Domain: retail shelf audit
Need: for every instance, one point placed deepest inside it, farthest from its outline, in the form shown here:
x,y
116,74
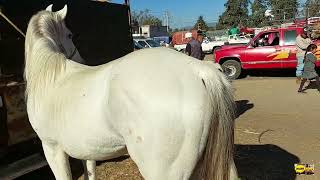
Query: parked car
x,y
147,43
238,39
207,46
137,46
270,49
163,40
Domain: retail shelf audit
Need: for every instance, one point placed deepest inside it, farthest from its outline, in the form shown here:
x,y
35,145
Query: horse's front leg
x,y
89,169
58,161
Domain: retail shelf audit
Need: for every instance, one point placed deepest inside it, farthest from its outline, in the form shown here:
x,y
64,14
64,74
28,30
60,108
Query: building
x,y
150,31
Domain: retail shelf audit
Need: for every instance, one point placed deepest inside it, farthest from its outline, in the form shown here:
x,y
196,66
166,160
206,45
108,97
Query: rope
x,y
12,24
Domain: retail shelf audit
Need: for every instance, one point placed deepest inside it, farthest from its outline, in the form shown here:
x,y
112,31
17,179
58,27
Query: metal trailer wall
x,y
101,30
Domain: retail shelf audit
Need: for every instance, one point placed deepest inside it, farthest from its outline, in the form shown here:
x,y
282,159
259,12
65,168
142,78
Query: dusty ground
x,y
276,128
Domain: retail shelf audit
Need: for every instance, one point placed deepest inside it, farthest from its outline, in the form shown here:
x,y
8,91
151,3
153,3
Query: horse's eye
x,y
70,36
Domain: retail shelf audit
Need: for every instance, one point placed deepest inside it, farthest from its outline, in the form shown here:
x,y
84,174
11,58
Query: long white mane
x,y
44,59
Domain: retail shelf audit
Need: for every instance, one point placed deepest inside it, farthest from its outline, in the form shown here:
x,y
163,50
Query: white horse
x,y
172,113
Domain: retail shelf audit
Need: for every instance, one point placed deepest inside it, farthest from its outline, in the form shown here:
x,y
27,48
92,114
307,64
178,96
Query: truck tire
x,y
232,69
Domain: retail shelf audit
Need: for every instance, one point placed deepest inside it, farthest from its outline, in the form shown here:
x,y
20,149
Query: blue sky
x,y
182,12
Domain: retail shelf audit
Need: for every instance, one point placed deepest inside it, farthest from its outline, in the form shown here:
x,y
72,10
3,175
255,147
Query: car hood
x,y
239,46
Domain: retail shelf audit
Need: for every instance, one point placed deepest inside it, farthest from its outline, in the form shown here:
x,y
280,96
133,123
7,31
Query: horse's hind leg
x,y
89,169
58,161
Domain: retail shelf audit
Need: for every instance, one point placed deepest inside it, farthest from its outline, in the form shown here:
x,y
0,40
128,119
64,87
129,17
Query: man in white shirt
x,y
302,42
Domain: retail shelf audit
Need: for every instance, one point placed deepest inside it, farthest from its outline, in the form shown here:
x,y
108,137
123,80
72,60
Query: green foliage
x,y
145,18
201,24
313,7
258,9
236,13
283,9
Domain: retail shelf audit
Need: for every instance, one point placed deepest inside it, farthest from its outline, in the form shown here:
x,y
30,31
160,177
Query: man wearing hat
x,y
194,47
302,42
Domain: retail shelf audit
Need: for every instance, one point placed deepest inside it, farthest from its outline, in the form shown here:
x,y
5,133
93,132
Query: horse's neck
x,y
43,68
73,67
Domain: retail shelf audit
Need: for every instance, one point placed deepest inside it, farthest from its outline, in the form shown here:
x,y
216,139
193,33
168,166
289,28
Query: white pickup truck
x,y
210,46
207,46
237,39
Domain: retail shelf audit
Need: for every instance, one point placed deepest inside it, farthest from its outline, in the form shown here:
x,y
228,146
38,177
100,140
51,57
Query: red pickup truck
x,y
270,49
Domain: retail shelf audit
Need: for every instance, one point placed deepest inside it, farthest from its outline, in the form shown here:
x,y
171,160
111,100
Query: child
x,y
309,71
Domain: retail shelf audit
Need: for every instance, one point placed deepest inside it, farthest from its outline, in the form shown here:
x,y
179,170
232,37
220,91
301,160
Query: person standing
x,y
309,71
302,42
194,47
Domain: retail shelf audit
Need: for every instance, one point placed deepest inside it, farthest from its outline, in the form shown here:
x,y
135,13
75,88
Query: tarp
x,y
101,30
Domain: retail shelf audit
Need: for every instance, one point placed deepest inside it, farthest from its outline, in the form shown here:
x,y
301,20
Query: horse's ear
x,y
49,8
63,12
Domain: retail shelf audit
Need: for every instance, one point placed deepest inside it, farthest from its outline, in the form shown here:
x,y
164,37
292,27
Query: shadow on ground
x,y
311,85
264,162
243,106
269,73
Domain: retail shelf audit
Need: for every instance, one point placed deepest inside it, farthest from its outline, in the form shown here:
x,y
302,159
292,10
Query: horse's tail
x,y
217,159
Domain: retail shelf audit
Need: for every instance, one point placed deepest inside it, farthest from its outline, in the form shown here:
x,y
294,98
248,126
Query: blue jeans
x,y
300,66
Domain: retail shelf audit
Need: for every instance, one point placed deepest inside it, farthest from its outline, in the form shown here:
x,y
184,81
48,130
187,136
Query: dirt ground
x,y
276,128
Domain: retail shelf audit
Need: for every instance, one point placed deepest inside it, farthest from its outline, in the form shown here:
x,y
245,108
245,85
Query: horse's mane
x,y
43,60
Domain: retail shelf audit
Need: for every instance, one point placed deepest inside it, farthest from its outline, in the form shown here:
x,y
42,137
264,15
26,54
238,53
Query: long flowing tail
x,y
218,154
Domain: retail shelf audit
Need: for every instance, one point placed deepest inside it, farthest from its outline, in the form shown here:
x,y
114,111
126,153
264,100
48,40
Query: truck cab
x,y
270,49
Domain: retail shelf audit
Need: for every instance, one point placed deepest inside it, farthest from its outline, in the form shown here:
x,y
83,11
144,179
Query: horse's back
x,y
158,74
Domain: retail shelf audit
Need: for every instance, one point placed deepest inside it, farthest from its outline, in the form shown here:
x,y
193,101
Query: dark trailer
x,y
102,33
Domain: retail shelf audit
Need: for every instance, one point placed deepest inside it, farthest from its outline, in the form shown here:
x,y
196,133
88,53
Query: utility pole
x,y
167,19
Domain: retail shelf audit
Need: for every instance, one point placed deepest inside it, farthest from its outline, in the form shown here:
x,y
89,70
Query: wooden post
x,y
307,23
127,2
11,23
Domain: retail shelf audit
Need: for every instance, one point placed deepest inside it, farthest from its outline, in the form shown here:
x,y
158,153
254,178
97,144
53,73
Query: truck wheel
x,y
232,69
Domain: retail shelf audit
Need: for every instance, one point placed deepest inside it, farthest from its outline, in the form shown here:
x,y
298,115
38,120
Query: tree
x,y
258,9
284,9
201,24
236,13
145,18
312,7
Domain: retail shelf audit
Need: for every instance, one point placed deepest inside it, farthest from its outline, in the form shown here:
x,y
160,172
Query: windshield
x,y
137,45
153,43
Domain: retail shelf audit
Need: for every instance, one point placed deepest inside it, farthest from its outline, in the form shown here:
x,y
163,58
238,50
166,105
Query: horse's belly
x,y
95,147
